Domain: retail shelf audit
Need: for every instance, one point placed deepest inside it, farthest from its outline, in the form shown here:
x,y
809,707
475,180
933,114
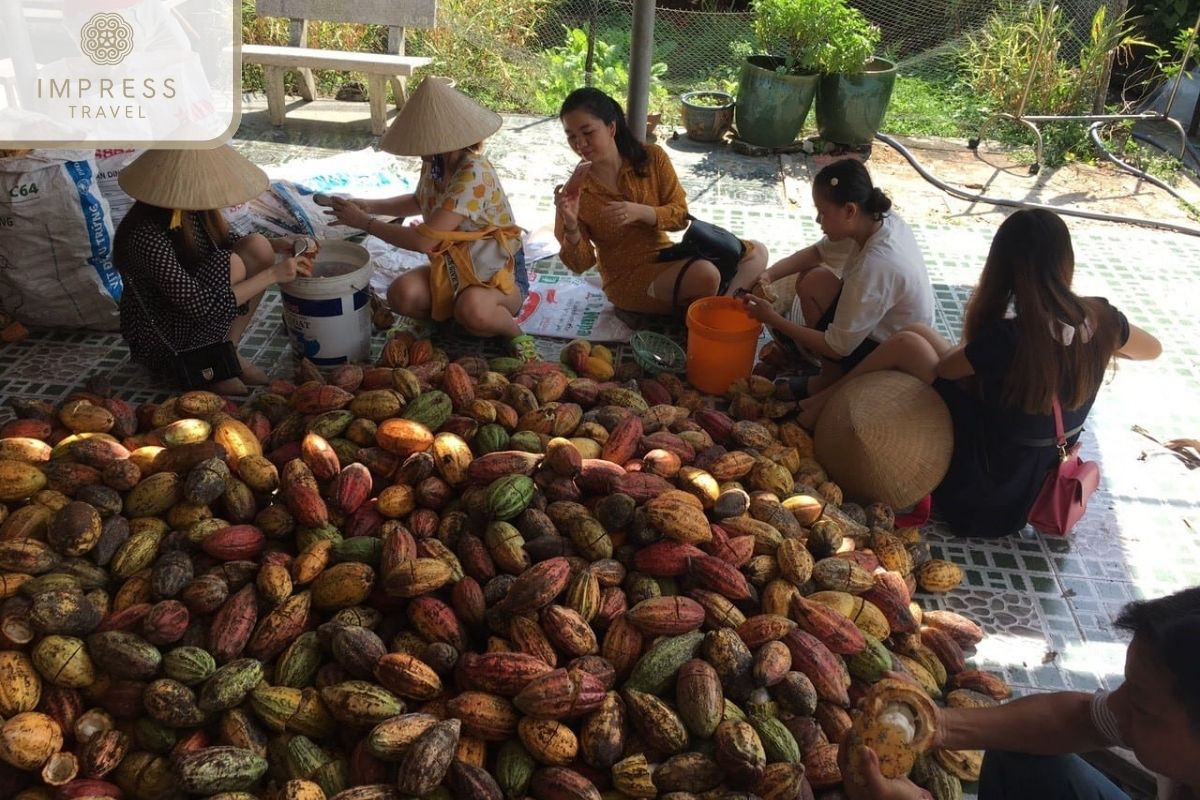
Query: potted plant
x,y
776,88
855,86
707,114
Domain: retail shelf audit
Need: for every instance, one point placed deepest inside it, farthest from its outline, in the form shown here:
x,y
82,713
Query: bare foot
x,y
229,386
252,374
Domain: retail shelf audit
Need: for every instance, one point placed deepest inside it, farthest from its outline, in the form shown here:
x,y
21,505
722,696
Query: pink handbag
x,y
1064,496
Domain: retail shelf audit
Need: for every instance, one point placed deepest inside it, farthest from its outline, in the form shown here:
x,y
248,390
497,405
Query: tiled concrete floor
x,y
1047,605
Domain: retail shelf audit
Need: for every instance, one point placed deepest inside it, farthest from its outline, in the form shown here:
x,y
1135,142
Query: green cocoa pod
x,y
211,770
655,670
508,496
431,409
229,685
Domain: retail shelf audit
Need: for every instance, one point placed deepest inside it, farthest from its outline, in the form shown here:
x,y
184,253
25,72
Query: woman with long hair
x,y
862,282
1027,340
476,273
188,281
617,221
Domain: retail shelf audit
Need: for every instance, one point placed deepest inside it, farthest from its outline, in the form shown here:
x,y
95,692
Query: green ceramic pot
x,y
850,108
706,114
772,106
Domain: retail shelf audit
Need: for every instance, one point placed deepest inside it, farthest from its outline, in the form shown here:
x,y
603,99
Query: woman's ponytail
x,y
847,181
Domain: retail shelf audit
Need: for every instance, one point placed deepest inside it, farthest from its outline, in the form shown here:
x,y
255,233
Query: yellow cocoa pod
x,y
939,576
19,480
28,739
258,473
20,684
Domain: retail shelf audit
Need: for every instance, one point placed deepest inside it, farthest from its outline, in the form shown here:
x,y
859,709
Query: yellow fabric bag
x,y
459,258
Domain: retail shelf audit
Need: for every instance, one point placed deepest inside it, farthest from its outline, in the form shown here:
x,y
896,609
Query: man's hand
x,y
868,783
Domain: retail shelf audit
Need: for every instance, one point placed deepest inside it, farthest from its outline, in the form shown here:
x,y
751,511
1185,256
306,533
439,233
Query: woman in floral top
x,y
477,270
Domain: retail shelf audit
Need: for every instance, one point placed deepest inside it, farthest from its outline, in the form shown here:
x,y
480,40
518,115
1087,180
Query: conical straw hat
x,y
438,119
885,436
193,180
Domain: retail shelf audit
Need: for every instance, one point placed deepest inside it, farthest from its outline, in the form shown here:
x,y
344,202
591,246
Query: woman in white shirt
x,y
862,282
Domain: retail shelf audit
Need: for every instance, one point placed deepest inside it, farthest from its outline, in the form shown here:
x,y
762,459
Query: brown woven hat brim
x,y
193,180
438,119
886,437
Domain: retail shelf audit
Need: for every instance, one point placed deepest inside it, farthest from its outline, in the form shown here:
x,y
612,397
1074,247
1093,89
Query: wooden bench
x,y
381,68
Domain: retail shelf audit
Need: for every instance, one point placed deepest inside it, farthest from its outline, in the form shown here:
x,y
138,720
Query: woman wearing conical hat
x,y
476,273
188,281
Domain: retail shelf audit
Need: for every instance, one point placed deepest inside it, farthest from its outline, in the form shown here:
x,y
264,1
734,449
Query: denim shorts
x,y
520,273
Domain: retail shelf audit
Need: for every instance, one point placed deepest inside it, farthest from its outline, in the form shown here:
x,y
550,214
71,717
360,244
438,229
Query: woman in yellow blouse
x,y
618,221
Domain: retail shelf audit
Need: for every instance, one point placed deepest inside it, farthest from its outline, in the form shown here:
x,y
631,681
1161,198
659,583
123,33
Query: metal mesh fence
x,y
526,55
558,42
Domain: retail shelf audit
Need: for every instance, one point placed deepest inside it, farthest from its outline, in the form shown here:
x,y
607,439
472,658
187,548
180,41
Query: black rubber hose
x,y
1094,134
1003,201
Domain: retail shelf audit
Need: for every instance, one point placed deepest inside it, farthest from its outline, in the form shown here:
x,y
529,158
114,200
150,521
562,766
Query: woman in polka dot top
x,y
188,281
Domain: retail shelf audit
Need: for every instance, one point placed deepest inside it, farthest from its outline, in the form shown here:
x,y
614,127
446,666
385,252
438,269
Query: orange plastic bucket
x,y
722,341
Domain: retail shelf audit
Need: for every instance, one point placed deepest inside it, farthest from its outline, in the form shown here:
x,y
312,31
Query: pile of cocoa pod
x,y
435,578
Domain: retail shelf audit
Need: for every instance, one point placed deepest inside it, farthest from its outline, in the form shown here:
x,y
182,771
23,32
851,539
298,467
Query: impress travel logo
x,y
106,39
119,73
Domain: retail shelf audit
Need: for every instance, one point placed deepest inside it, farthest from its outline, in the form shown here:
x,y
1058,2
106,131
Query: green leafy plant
x,y
1020,45
815,35
483,44
564,69
850,42
707,99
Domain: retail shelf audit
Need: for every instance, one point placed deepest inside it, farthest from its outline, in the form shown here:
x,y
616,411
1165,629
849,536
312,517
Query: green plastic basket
x,y
657,353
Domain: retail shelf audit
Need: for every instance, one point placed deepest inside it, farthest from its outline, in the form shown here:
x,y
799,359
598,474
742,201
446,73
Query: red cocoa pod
x,y
762,628
127,619
667,616
317,398
716,424
961,629
319,456
504,673
537,586
233,624
835,630
166,622
666,558
277,630
435,621
351,488
88,787
642,486
468,601
654,392
826,671
671,443
598,476
945,648
721,577
234,543
561,694
623,440
889,595
491,466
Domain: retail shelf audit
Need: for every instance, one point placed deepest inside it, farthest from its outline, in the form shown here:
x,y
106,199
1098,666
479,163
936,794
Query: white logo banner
x,y
111,73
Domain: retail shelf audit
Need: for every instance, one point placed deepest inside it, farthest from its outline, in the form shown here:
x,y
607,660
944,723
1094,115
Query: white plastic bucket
x,y
328,316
